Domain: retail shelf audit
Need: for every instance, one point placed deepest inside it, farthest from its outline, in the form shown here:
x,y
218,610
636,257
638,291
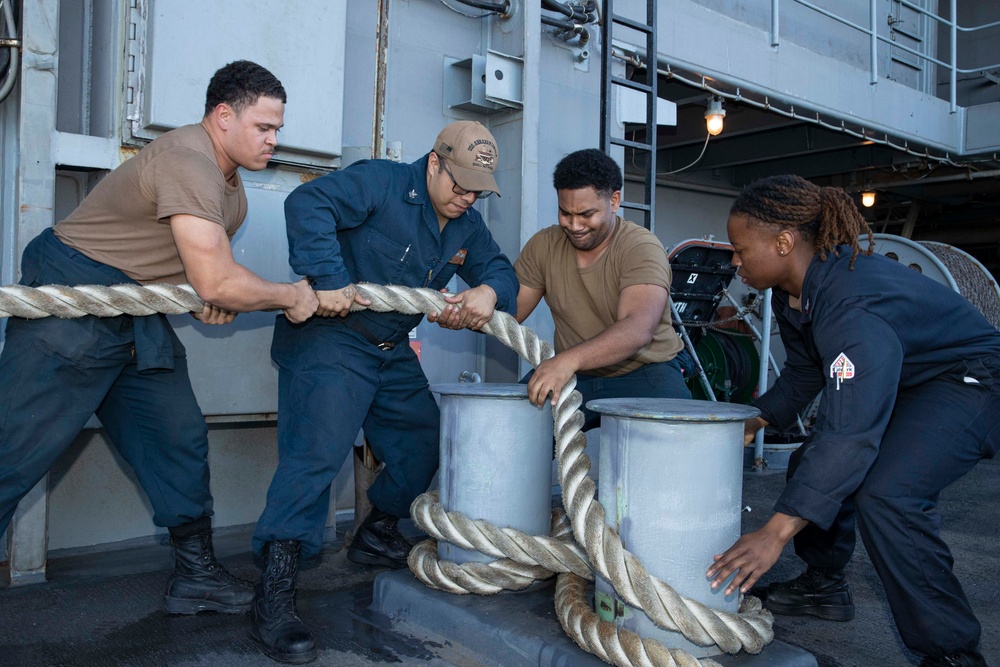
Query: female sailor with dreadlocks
x,y
910,373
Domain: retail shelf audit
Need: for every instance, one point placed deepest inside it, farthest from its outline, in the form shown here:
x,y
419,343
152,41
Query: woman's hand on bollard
x,y
754,553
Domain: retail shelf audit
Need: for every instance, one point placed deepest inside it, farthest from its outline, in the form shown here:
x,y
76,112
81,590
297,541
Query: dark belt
x,y
355,325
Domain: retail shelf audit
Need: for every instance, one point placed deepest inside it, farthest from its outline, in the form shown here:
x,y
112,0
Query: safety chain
x,y
749,630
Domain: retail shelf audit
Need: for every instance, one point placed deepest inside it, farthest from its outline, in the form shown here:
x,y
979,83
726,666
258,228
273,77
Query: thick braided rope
x,y
465,578
485,578
607,641
554,553
101,300
698,623
414,301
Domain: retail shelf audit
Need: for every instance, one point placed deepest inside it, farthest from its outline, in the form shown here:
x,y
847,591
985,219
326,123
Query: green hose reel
x,y
732,365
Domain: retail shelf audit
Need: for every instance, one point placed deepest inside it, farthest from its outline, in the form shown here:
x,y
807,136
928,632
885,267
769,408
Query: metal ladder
x,y
609,20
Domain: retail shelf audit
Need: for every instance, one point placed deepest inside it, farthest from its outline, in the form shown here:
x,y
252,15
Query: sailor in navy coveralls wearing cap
x,y
385,223
910,374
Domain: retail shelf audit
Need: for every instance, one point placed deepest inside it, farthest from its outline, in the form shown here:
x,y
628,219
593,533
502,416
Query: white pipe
x,y
765,345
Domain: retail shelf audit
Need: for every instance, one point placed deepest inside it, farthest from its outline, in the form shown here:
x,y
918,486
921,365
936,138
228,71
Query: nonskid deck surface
x,y
103,609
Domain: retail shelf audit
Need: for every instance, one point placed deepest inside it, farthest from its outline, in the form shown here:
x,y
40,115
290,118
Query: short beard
x,y
595,240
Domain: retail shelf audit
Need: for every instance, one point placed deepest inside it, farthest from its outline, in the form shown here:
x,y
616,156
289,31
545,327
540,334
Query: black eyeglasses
x,y
460,191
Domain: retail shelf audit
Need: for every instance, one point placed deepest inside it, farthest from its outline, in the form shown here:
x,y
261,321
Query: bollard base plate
x,y
517,628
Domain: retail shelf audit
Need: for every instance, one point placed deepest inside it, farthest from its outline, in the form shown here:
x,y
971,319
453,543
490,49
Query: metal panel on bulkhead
x,y
177,45
301,41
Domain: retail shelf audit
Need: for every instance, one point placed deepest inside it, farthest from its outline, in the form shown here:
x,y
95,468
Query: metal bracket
x,y
484,84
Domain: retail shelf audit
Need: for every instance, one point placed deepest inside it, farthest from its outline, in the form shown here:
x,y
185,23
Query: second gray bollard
x,y
671,483
496,459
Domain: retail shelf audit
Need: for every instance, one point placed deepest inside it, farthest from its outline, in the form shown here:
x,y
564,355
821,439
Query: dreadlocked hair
x,y
824,216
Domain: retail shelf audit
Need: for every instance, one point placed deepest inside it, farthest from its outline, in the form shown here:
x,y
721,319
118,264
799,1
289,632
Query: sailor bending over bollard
x,y
385,223
164,216
910,373
607,283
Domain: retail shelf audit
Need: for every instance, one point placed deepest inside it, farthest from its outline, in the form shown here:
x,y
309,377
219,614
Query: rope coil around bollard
x,y
524,558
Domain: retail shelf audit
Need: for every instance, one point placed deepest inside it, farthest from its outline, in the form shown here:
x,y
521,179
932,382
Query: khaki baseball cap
x,y
471,153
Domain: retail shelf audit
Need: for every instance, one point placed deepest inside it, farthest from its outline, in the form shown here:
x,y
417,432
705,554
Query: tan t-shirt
x,y
584,302
125,221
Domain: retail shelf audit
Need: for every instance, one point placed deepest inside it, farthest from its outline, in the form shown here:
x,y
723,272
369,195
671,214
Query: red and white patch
x,y
842,368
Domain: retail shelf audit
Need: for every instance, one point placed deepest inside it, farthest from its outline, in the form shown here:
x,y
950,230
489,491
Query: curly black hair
x,y
240,84
588,168
824,216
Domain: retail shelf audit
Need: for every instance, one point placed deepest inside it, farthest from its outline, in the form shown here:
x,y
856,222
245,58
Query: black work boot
x,y
276,623
820,593
199,582
379,542
962,659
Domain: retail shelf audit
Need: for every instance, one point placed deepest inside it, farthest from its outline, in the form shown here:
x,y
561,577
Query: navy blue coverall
x,y
130,371
371,222
910,373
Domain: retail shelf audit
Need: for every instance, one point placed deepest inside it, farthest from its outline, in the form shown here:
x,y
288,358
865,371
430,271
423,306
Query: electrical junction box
x,y
484,84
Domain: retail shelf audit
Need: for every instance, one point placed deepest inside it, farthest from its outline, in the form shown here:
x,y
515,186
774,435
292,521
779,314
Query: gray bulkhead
x,y
101,77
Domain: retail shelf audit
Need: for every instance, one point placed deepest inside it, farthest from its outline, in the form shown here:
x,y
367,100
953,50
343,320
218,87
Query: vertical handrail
x,y
652,104
765,348
873,38
606,18
953,83
775,9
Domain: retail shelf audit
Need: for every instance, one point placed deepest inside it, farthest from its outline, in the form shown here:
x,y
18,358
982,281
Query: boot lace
x,y
393,536
278,580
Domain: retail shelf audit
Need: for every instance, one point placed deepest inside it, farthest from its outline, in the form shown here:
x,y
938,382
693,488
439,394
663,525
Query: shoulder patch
x,y
842,368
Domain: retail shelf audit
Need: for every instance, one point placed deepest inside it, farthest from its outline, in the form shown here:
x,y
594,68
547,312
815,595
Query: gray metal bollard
x,y
496,459
671,483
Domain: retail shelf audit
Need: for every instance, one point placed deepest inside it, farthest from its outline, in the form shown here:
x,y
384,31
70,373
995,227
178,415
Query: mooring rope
x,y
749,630
512,574
100,300
555,553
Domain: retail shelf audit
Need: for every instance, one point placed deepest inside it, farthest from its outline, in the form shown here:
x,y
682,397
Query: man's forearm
x,y
613,345
243,291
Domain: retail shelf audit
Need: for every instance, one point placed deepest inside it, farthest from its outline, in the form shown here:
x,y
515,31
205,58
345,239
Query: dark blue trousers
x,y
56,373
332,383
937,433
660,380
